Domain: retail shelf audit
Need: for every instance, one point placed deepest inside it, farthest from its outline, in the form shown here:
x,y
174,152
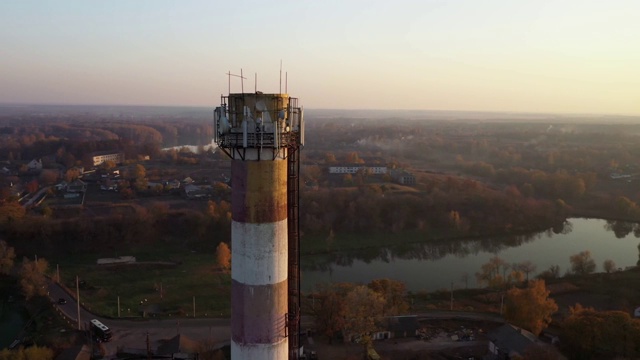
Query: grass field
x,y
167,276
183,273
162,283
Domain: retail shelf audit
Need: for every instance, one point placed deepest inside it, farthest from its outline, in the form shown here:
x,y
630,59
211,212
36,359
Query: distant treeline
x,y
32,138
450,207
126,225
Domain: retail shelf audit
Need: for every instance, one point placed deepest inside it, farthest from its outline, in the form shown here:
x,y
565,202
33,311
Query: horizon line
x,y
529,112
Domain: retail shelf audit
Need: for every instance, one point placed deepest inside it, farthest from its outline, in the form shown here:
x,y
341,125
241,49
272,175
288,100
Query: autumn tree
x,y
32,279
353,158
493,273
108,165
515,276
7,257
48,176
582,263
159,211
394,294
126,193
140,184
11,211
364,308
591,334
330,308
30,353
454,219
220,212
625,207
221,189
32,186
330,158
347,179
313,172
223,256
71,174
530,308
541,351
138,171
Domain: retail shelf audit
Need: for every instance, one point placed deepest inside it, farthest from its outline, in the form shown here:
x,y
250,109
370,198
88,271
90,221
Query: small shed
x,y
404,326
179,344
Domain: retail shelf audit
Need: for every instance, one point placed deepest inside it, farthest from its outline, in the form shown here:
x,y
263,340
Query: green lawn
x,y
181,274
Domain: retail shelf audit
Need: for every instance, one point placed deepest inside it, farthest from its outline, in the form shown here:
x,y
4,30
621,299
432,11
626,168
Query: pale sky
x,y
512,55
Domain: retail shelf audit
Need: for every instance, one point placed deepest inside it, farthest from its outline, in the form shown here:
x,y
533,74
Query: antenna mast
x,y
280,76
229,74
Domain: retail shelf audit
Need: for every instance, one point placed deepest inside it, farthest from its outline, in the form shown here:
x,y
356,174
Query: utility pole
x,y
148,347
452,296
58,273
78,302
194,307
118,306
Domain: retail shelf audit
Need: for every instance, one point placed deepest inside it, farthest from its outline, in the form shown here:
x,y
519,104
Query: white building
x,y
99,158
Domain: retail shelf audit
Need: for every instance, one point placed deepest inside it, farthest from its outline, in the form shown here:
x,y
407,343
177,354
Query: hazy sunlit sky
x,y
526,56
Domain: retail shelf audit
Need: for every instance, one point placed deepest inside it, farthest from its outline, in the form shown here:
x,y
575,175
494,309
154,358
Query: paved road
x,y
133,333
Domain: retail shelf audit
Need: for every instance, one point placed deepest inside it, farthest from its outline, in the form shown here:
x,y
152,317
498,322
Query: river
x,y
437,266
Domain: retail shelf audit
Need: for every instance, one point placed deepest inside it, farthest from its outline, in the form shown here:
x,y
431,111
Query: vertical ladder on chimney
x,y
293,199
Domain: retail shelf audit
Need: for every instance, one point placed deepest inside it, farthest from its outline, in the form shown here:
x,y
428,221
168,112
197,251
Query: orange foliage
x,y
530,308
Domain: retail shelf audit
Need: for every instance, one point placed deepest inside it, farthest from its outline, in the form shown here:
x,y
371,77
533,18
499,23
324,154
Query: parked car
x,y
62,301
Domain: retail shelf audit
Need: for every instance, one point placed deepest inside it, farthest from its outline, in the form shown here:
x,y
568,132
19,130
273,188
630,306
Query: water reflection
x,y
435,265
430,251
622,228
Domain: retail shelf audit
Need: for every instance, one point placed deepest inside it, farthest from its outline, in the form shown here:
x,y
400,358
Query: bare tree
x,y
553,272
609,266
465,279
527,267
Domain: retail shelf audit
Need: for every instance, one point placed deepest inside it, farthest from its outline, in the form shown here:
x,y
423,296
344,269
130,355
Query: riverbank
x,y
316,244
411,257
431,266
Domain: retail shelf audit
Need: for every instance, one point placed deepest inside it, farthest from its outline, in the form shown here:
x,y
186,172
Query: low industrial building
x,y
101,157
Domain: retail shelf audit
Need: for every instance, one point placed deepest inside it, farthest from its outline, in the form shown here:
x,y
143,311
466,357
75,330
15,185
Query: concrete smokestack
x,y
259,131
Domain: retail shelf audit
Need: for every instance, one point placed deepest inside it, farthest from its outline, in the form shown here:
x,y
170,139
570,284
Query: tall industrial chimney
x,y
262,134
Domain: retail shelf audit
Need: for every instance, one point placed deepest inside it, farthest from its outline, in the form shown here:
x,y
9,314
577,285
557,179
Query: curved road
x,y
133,333
215,331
